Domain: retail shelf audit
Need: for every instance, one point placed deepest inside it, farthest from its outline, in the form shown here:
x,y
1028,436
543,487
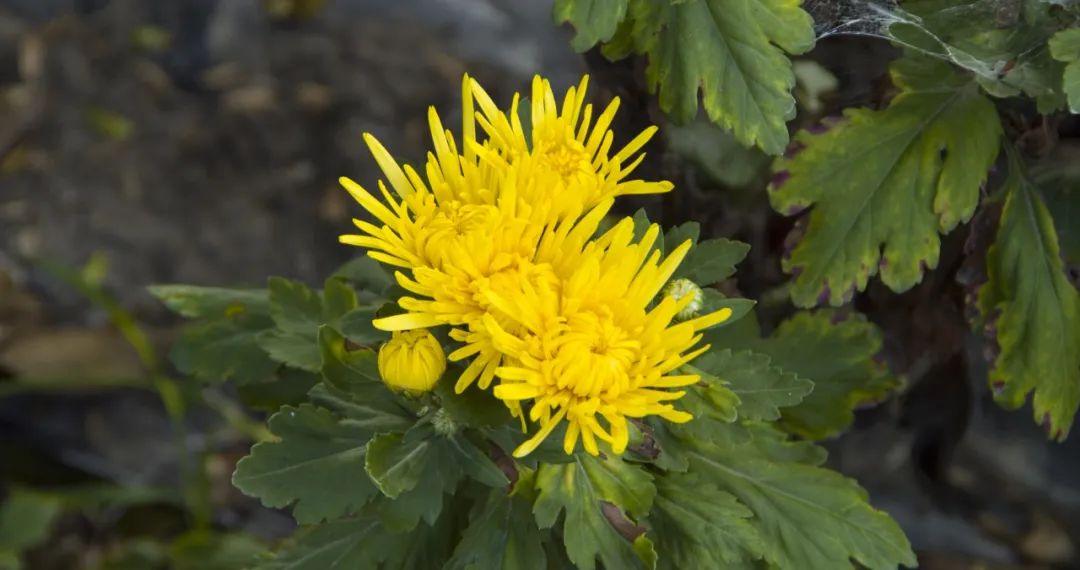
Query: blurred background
x,y
199,141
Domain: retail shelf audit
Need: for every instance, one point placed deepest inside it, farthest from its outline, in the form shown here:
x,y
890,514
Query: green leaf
x,y
298,313
224,349
26,519
396,464
835,352
578,488
318,465
1065,46
711,261
298,350
838,354
593,20
762,388
730,50
357,326
293,306
1032,309
352,372
502,534
367,274
807,517
698,526
206,302
342,545
289,388
883,184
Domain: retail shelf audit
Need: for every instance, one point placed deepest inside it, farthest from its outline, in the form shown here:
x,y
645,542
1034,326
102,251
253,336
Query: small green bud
x,y
680,288
444,424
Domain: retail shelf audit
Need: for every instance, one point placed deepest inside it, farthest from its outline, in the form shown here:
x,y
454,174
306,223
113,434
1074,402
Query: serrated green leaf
x,y
883,184
196,302
353,372
294,306
396,464
342,545
730,50
675,236
838,354
807,517
762,388
318,465
224,349
288,388
367,274
578,488
712,261
476,462
298,312
593,20
357,326
1034,310
698,526
501,535
474,408
1065,47
295,349
713,300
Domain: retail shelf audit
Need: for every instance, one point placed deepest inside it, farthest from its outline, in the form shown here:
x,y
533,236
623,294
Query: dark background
x,y
199,142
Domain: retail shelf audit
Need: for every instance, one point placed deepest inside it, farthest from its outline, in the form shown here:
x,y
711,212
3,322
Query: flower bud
x,y
680,288
411,361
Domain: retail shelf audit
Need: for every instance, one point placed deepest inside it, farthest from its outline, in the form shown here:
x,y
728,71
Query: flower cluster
x,y
499,239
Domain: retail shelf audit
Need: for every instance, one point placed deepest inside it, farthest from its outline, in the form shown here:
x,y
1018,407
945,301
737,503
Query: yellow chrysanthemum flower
x,y
497,241
411,361
592,350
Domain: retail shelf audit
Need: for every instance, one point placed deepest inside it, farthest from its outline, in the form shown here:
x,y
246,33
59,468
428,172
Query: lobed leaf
x,y
883,184
579,488
1065,47
699,526
807,517
837,353
732,51
1032,310
502,534
318,465
762,389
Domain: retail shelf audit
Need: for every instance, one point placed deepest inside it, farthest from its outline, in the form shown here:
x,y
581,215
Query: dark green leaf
x,y
808,518
208,551
578,488
762,388
288,388
343,545
26,519
501,535
698,526
712,261
367,274
397,464
224,349
318,465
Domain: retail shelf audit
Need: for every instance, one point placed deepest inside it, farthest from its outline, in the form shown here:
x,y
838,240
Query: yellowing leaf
x,y
1033,309
883,184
